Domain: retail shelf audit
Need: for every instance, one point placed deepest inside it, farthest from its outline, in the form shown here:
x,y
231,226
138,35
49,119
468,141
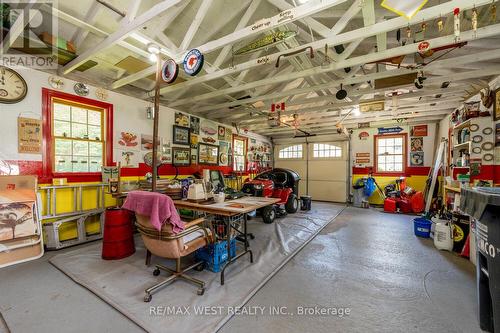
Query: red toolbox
x,y
390,205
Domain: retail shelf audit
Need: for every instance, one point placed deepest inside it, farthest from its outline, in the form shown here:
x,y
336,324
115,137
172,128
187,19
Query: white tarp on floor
x,y
121,283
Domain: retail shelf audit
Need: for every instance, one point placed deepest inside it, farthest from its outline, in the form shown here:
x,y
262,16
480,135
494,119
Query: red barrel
x,y
118,235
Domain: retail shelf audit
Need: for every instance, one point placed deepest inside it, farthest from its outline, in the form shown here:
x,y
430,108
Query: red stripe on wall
x,y
410,171
36,168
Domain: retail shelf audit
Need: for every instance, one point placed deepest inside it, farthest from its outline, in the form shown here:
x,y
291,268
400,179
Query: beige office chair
x,y
166,244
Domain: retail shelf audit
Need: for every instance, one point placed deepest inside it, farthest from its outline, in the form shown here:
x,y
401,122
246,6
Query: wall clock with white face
x,y
13,88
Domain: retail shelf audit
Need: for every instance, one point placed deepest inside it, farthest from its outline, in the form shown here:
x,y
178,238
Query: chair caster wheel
x,y
251,236
201,291
156,272
147,298
200,267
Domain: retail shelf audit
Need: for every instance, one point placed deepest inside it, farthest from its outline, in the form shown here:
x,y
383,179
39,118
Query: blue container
x,y
215,255
422,227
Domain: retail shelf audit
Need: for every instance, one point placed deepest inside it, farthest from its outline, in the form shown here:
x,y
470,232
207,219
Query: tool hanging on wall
x,y
474,21
311,54
440,24
327,61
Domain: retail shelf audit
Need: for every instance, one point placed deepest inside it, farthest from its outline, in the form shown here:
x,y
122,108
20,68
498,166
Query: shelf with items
x,y
462,146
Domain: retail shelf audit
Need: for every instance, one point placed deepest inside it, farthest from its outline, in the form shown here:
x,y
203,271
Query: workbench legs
x,y
245,242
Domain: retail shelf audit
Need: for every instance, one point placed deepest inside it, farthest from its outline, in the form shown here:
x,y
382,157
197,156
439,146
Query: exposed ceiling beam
x,y
289,16
389,25
81,33
18,26
377,56
120,34
200,15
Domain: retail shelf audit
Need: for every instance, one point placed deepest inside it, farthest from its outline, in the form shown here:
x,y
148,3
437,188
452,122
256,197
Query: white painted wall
x,y
365,146
129,115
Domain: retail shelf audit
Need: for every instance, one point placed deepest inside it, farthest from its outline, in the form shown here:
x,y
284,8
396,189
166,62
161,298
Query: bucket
x,y
443,236
118,234
422,227
305,202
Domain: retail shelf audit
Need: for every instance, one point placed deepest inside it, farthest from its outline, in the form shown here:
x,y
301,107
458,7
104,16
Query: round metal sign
x,y
169,71
193,62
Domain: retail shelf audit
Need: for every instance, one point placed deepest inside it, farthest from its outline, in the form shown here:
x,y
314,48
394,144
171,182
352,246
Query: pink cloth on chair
x,y
159,207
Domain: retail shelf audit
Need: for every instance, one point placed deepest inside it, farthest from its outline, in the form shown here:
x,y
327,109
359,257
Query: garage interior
x,y
253,165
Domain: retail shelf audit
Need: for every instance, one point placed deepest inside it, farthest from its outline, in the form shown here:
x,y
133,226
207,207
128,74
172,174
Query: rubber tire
x,y
289,206
268,214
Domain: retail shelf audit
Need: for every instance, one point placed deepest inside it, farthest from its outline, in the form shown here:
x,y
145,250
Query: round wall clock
x,y
13,88
81,89
193,62
169,71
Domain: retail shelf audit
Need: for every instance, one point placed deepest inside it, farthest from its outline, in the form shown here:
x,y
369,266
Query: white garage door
x,y
322,166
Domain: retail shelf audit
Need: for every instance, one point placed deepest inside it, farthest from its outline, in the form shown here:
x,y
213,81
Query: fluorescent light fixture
x,y
406,8
302,1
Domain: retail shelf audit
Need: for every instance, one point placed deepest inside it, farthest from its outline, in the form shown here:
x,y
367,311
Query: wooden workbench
x,y
226,210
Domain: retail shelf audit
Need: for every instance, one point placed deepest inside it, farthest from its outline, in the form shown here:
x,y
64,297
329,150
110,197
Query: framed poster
x,y
181,156
181,135
29,135
223,153
417,144
417,158
195,125
496,107
208,154
181,119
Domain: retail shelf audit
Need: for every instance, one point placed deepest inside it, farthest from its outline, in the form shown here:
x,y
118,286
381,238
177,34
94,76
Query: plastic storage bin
x,y
422,227
215,255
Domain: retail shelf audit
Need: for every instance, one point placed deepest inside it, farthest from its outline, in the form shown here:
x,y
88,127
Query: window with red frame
x,y
390,153
77,133
239,153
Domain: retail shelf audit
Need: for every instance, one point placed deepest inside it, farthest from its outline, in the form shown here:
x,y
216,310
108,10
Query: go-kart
x,y
275,183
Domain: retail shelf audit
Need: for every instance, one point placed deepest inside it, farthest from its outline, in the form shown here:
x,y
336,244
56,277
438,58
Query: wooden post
x,y
156,121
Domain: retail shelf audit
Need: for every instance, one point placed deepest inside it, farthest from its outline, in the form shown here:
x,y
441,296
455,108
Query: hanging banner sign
x,y
389,130
29,133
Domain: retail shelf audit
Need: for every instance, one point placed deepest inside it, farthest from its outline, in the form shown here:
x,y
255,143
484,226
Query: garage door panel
x,y
327,191
327,177
328,170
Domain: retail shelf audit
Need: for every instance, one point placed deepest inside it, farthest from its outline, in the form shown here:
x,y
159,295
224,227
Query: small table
x,y
229,209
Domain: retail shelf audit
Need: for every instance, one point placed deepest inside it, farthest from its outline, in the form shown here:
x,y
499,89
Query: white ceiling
x,y
218,26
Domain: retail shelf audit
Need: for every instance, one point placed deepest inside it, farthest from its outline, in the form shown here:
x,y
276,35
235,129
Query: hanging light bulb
x,y
424,28
456,23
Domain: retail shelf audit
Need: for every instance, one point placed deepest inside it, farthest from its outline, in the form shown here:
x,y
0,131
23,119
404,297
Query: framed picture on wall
x,y
181,135
496,106
181,156
208,154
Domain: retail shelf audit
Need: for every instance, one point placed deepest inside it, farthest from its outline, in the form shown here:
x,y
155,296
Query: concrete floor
x,y
366,261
